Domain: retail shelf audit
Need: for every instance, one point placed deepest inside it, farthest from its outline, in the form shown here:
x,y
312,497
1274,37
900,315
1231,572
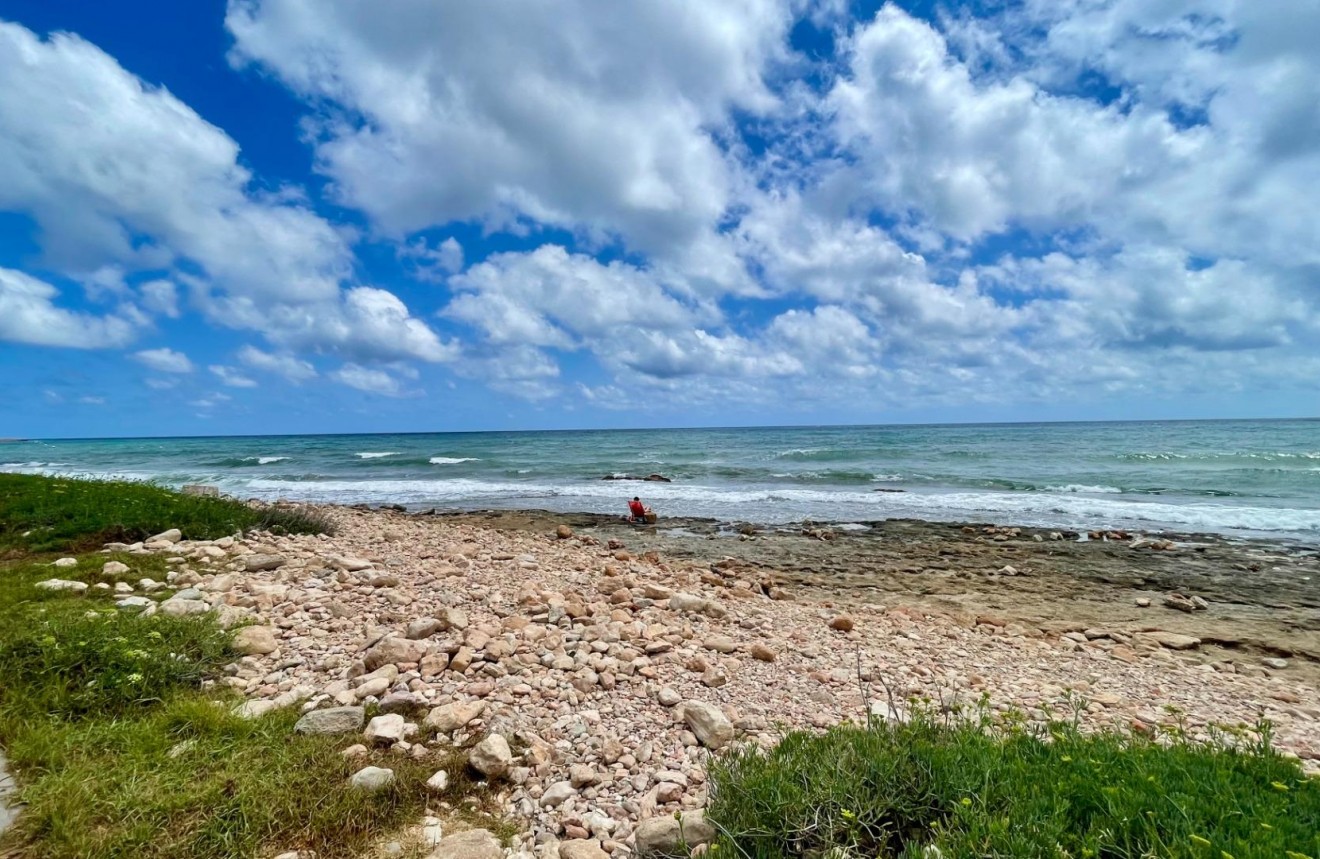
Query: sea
x,y
1244,478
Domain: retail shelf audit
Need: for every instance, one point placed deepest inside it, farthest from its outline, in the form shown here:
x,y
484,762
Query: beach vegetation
x,y
930,787
54,514
122,739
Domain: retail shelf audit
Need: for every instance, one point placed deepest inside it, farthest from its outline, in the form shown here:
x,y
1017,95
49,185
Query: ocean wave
x,y
371,454
792,504
452,460
1082,487
1220,456
267,460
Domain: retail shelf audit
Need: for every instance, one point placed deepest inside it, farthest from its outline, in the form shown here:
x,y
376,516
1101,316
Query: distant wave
x,y
371,454
267,460
1220,456
1081,487
452,460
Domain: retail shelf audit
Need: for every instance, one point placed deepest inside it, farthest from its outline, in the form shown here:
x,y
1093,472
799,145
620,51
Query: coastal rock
x,y
711,727
581,848
255,640
473,844
372,779
385,730
668,836
394,651
335,720
173,535
491,757
1181,603
450,717
262,563
62,585
175,607
1171,640
1274,662
563,532
842,623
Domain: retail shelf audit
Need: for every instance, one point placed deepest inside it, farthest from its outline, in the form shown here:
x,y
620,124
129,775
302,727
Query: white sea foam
x,y
267,460
1082,487
371,454
772,505
452,460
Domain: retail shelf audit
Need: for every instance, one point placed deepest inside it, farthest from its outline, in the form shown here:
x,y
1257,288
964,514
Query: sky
x,y
283,216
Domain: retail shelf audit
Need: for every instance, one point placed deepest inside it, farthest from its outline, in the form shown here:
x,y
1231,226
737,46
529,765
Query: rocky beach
x,y
599,665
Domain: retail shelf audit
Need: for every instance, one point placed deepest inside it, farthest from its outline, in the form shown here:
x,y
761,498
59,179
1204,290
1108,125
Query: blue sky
x,y
336,216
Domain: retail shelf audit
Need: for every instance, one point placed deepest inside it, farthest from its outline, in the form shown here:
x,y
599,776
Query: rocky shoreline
x,y
600,664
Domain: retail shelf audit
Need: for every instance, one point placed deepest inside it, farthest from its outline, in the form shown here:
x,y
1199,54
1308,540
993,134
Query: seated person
x,y
636,510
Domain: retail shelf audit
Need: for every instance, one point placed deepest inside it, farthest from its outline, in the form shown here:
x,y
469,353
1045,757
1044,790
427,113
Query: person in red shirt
x,y
637,509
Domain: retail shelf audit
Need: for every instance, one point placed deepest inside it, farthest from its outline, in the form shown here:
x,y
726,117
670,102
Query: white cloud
x,y
28,315
372,381
160,296
291,368
211,401
436,263
589,115
164,360
121,176
231,376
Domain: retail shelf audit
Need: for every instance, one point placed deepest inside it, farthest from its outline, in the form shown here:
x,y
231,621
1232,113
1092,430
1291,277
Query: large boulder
x,y
335,720
667,836
173,535
254,641
491,757
473,844
708,723
394,651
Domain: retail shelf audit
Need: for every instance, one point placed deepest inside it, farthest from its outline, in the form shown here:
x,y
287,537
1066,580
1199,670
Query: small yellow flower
x,y
966,800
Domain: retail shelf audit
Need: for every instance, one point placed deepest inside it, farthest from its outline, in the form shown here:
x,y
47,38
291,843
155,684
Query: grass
x,y
932,789
46,514
121,746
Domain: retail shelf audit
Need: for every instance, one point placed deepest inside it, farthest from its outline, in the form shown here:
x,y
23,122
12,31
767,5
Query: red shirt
x,y
637,509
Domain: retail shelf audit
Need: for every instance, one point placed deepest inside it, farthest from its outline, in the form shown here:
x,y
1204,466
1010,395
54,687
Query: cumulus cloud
x,y
433,262
291,368
593,116
231,376
28,315
164,360
177,195
373,381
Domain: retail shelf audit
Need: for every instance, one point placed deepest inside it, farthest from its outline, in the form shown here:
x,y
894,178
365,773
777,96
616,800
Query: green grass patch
x,y
121,750
51,514
930,789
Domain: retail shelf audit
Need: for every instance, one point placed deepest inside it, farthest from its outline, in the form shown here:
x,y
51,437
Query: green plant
x,y
973,789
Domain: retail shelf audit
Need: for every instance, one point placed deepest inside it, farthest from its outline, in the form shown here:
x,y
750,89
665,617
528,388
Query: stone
x,y
404,703
335,720
189,594
1143,602
473,844
262,563
557,794
842,623
763,653
450,717
385,730
372,779
423,627
114,568
669,697
65,563
134,602
711,727
393,651
581,848
62,585
438,783
563,532
1274,662
176,607
491,757
372,688
721,644
254,709
1171,640
1180,602
254,641
582,775
173,535
670,836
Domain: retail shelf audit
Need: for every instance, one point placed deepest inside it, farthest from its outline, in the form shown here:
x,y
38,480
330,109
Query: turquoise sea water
x,y
1248,477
